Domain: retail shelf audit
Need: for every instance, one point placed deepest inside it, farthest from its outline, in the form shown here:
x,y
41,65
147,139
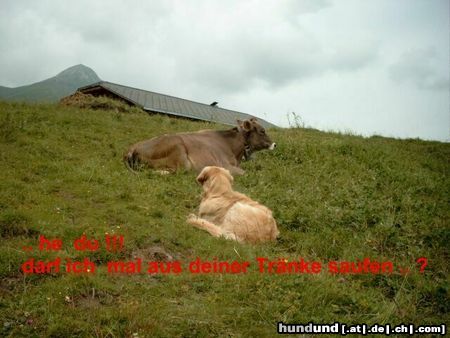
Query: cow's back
x,y
183,150
165,151
208,148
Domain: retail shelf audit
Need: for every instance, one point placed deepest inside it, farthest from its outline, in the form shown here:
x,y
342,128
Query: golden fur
x,y
227,213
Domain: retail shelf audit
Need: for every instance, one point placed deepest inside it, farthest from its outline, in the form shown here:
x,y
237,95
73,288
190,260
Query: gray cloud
x,y
230,49
239,50
295,7
420,67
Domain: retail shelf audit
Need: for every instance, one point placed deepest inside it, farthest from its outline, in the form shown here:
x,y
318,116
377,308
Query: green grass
x,y
335,197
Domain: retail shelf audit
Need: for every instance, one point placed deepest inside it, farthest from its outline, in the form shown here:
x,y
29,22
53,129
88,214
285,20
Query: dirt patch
x,y
154,254
65,195
9,284
95,298
14,223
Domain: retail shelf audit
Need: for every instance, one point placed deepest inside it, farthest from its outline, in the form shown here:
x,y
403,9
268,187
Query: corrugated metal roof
x,y
171,105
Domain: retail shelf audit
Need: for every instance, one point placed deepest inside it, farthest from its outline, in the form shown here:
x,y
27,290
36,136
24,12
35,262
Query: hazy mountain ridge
x,y
54,88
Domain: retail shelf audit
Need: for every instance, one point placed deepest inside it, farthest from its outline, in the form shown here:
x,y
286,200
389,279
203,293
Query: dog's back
x,y
250,222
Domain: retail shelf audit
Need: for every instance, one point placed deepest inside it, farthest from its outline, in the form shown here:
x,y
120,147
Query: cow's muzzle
x,y
273,146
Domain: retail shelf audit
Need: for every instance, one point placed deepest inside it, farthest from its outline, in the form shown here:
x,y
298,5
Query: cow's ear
x,y
253,119
245,125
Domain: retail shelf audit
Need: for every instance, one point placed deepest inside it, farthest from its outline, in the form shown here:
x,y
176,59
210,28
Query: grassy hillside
x,y
5,91
335,197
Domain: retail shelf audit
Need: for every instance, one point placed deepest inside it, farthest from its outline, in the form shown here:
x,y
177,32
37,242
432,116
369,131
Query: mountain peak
x,y
54,88
80,73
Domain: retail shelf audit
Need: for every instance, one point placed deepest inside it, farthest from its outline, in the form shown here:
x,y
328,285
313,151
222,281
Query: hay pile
x,y
87,101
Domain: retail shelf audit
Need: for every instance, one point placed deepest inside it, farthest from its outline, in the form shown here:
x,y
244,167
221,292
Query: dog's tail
x,y
213,229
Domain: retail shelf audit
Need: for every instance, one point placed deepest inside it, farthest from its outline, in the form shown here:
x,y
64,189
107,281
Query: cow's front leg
x,y
235,170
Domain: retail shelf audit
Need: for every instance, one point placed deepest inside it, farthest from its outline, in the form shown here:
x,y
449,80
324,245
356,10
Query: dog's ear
x,y
203,177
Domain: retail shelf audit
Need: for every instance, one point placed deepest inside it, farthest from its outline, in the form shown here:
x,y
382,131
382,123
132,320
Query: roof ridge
x,y
171,96
107,85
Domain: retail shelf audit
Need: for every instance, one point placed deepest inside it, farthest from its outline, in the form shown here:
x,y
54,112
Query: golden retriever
x,y
227,213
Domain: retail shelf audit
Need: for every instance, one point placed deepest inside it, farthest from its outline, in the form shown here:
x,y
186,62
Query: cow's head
x,y
255,135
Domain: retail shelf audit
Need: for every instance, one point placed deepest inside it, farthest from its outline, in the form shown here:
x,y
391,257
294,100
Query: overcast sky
x,y
367,67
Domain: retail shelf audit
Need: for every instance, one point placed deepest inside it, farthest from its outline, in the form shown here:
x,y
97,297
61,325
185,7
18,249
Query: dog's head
x,y
215,180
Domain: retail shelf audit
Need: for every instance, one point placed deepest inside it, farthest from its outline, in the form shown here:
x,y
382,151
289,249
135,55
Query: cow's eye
x,y
263,131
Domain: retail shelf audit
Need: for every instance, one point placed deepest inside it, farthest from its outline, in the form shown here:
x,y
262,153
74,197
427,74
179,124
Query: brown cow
x,y
194,151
